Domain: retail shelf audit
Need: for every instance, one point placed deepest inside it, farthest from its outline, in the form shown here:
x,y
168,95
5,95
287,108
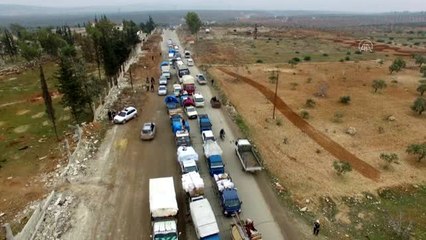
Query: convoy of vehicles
x,y
162,196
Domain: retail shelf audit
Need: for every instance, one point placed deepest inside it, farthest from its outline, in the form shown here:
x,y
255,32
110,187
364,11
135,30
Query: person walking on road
x,y
152,87
152,81
316,227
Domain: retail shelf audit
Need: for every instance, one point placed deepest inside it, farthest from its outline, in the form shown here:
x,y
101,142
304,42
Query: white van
x,y
198,99
190,62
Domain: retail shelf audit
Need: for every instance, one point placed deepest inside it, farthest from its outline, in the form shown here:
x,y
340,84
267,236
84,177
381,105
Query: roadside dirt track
x,y
327,143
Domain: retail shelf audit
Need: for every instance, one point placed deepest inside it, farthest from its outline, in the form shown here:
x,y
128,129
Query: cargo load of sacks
x,y
193,184
223,181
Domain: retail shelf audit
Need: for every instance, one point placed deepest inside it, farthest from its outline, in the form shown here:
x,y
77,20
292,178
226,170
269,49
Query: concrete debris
x,y
9,178
351,131
304,209
2,214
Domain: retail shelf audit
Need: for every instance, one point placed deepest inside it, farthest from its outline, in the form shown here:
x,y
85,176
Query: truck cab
x,y
215,164
182,138
204,122
188,166
207,135
230,202
165,230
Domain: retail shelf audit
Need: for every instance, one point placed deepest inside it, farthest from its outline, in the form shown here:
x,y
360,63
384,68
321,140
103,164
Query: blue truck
x,y
176,123
171,102
213,155
228,195
204,122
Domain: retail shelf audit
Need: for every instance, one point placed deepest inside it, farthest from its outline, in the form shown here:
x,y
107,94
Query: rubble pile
x,y
57,217
85,150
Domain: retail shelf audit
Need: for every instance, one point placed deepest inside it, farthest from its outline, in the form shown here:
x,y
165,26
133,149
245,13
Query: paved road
x,y
255,206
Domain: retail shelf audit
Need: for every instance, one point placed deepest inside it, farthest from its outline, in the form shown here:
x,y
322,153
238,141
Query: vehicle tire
x,y
124,121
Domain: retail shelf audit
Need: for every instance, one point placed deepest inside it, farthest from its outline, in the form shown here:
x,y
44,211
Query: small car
x,y
190,62
125,115
198,99
191,112
162,80
148,131
162,90
201,79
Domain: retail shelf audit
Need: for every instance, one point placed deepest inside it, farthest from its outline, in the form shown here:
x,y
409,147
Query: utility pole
x,y
275,96
131,77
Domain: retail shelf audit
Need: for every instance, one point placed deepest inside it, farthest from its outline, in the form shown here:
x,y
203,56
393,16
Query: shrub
x,y
294,85
417,149
297,52
304,114
296,59
259,61
325,54
347,58
348,53
345,99
342,60
309,80
279,122
310,103
358,52
341,167
338,117
389,158
307,58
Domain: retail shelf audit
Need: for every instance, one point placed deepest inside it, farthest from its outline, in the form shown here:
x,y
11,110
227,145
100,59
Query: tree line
x,y
104,45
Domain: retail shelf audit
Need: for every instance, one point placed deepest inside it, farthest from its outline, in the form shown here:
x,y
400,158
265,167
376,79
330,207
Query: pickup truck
x,y
182,138
204,122
176,123
171,102
193,185
244,230
227,193
187,158
248,157
213,154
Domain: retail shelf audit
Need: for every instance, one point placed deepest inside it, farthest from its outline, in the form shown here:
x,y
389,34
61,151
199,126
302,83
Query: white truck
x,y
204,220
163,207
165,71
187,158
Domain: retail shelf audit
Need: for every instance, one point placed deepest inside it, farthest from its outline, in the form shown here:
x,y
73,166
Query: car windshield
x,y
201,77
166,236
146,131
232,203
122,114
199,99
191,169
162,88
190,109
217,164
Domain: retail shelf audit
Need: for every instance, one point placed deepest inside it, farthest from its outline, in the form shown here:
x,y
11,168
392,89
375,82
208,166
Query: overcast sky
x,y
327,5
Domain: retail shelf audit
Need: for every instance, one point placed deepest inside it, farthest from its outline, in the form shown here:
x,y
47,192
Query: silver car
x,y
162,80
162,90
148,131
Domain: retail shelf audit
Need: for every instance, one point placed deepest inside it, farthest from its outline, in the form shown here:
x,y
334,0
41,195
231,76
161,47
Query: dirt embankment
x,y
327,143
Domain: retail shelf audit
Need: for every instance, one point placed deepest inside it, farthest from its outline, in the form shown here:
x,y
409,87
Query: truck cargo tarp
x,y
171,99
186,153
203,218
211,148
193,184
162,197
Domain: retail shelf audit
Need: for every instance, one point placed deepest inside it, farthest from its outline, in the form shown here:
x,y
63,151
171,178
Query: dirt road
x,y
327,143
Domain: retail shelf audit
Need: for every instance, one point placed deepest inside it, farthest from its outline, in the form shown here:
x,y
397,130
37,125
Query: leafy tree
x,y
292,62
48,101
30,50
378,84
421,89
417,149
389,158
70,83
345,99
341,167
50,42
419,105
423,70
310,103
9,44
193,22
149,26
397,65
420,60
